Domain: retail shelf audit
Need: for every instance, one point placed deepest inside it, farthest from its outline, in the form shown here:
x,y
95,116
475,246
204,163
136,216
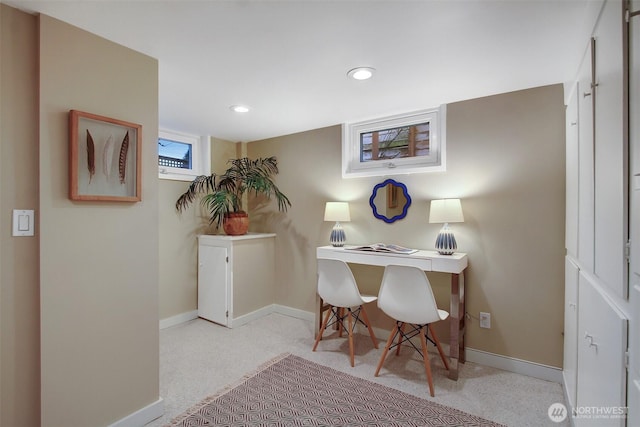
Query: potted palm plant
x,y
223,193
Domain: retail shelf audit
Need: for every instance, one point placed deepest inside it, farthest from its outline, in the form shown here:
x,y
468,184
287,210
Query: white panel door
x,y
572,176
602,342
213,284
570,364
610,151
633,415
634,332
634,190
585,165
633,401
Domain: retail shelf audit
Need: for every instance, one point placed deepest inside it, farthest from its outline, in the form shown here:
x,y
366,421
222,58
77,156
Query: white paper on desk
x,y
385,248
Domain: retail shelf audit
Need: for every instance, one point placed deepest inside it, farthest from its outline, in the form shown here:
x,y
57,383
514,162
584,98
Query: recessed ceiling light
x,y
361,73
239,108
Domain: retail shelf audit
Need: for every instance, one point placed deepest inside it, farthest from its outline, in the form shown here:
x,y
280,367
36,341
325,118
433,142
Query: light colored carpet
x,y
199,358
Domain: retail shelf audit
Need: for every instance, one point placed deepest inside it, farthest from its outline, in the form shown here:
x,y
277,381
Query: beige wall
x,y
99,261
19,287
178,248
178,251
505,160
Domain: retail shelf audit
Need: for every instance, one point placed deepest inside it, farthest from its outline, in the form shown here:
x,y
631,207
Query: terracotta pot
x,y
236,223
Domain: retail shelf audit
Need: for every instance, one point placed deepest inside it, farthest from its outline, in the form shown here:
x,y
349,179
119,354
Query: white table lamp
x,y
337,211
446,211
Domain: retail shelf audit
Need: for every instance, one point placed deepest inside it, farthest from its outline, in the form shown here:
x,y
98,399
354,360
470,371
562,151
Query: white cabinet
x,y
572,176
634,191
610,150
602,342
633,403
633,400
570,363
584,158
213,283
604,159
236,277
634,336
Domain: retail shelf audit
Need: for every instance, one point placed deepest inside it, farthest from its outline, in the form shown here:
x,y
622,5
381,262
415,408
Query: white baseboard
x,y
273,308
246,318
294,312
180,318
142,416
511,364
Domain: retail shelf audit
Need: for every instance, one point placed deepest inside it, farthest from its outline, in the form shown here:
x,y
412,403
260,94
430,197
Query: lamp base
x,y
337,237
446,241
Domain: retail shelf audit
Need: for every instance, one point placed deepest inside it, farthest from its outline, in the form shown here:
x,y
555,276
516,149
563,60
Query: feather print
x,y
91,159
122,161
107,157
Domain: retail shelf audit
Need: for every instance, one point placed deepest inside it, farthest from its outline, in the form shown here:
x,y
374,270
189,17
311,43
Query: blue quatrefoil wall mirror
x,y
390,201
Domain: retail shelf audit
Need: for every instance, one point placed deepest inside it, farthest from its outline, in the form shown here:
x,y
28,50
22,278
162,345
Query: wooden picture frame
x,y
105,158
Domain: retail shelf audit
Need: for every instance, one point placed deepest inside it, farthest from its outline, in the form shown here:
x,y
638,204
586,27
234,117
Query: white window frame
x,y
352,167
200,156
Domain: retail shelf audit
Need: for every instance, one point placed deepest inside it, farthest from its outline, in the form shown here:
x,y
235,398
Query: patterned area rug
x,y
292,391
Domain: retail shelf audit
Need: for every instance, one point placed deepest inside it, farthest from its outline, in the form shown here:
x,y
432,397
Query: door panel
x,y
570,363
602,342
212,283
633,415
610,152
572,176
634,191
586,217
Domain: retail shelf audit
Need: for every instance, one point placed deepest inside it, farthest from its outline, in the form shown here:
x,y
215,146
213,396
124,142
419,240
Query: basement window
x,y
182,157
401,144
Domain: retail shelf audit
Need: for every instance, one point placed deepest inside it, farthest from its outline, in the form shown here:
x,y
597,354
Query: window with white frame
x,y
407,143
182,156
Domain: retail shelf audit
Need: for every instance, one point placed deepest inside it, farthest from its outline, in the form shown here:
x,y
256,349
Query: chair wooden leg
x,y
322,328
366,320
386,349
427,364
340,315
437,341
399,343
350,314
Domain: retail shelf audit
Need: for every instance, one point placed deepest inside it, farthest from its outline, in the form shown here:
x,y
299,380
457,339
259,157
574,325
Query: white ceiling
x,y
288,60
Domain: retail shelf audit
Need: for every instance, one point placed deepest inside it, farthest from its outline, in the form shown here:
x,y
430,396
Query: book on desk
x,y
382,247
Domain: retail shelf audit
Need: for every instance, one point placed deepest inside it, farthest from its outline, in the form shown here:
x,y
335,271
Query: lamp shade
x,y
337,211
446,210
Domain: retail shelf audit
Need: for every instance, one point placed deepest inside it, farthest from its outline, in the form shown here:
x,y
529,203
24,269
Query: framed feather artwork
x,y
104,158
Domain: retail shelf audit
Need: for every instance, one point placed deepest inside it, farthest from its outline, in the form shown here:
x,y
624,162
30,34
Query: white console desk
x,y
427,261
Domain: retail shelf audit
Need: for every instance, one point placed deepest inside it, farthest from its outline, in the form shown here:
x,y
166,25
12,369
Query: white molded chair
x,y
338,288
407,297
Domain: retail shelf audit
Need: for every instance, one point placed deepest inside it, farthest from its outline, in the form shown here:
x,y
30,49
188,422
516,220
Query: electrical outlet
x,y
485,320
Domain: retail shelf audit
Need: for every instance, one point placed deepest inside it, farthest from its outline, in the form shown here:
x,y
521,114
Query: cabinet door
x,y
602,342
634,192
634,332
572,177
633,416
570,364
610,151
212,283
585,165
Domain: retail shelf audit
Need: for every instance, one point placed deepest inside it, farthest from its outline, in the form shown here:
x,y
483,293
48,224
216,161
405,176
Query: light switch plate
x,y
23,222
485,320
